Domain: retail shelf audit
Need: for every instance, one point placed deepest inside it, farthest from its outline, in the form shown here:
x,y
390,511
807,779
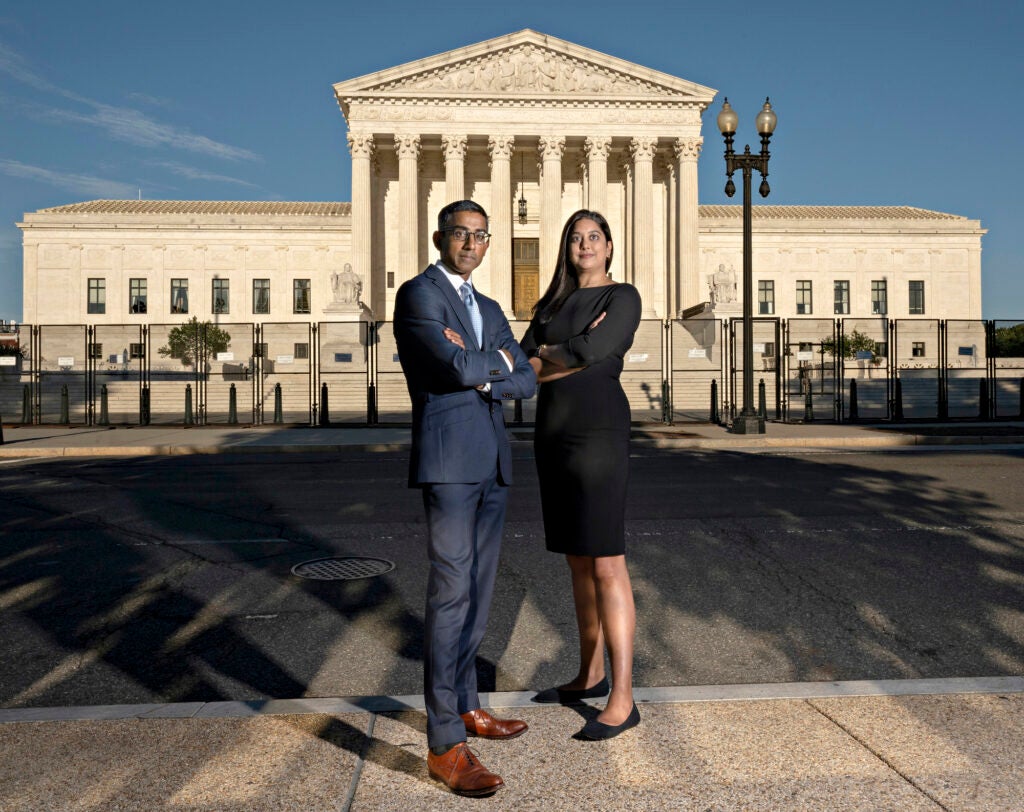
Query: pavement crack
x,y
357,771
880,756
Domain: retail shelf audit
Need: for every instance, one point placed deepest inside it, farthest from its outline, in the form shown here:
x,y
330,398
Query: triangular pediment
x,y
525,65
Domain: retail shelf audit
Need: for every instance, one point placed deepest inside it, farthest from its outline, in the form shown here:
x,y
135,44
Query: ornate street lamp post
x,y
748,421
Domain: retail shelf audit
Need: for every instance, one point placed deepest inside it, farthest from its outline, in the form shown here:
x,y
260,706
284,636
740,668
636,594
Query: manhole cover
x,y
342,569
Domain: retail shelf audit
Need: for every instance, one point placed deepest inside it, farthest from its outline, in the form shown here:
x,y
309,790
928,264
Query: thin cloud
x,y
152,101
192,173
134,127
79,184
120,123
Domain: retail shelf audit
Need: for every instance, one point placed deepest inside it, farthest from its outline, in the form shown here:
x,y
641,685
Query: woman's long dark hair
x,y
565,280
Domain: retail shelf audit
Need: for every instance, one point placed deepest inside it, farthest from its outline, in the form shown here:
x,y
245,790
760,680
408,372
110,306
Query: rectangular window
x,y
179,296
879,297
96,352
917,298
806,346
260,295
136,350
766,297
804,298
391,279
842,297
881,349
300,296
917,349
769,349
137,295
221,296
300,351
97,296
259,350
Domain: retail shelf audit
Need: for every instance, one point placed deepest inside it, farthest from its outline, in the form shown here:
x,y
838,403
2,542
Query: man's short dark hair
x,y
447,214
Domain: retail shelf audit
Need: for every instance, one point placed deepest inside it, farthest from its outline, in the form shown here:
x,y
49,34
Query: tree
x,y
195,340
1009,342
849,345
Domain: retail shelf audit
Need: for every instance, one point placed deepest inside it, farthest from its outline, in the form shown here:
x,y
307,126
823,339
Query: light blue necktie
x,y
474,312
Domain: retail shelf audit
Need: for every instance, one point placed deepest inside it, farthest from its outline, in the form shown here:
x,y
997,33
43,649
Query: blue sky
x,y
879,103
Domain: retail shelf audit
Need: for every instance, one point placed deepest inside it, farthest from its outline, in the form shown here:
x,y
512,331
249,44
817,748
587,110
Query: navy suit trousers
x,y
464,523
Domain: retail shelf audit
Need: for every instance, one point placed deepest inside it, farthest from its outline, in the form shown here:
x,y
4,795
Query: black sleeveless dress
x,y
581,442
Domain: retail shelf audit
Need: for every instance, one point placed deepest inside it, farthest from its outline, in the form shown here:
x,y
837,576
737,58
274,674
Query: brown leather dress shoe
x,y
480,723
461,771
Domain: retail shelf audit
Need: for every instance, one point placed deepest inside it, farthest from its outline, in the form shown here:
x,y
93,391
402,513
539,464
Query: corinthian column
x,y
643,150
688,282
454,147
500,148
597,148
408,149
551,149
671,285
361,147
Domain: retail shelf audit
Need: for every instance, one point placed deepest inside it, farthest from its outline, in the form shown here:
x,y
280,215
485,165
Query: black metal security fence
x,y
347,373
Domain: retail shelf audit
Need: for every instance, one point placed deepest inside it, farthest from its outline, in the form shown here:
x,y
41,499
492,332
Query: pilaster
x,y
362,148
687,151
551,148
407,147
501,148
454,149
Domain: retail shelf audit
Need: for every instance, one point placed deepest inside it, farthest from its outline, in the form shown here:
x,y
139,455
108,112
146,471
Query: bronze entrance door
x,y
525,276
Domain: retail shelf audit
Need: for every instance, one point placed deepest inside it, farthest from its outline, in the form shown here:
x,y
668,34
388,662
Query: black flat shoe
x,y
566,696
596,731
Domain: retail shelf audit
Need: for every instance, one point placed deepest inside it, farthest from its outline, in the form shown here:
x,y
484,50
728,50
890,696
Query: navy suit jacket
x,y
457,431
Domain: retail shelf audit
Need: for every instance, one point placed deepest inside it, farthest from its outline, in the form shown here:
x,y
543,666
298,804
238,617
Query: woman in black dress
x,y
581,329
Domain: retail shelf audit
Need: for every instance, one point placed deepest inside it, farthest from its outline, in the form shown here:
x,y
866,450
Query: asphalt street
x,y
168,579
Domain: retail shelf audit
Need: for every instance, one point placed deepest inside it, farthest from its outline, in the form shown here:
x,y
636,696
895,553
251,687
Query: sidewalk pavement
x,y
75,441
952,744
894,745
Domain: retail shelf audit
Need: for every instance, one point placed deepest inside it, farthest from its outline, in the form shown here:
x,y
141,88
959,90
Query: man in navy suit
x,y
461,364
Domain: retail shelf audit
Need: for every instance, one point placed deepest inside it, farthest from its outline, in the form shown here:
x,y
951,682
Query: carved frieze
x,y
54,256
96,258
138,257
221,258
525,69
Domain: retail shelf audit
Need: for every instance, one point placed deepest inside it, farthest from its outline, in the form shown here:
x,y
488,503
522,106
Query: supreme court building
x,y
533,128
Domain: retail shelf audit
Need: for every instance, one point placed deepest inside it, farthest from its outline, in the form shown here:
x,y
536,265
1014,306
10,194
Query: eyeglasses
x,y
460,234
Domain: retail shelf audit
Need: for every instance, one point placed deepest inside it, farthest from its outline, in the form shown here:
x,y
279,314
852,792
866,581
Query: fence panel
x,y
642,378
766,339
343,367
698,358
810,364
867,341
966,369
16,361
393,403
1007,366
915,356
231,366
63,361
119,364
286,359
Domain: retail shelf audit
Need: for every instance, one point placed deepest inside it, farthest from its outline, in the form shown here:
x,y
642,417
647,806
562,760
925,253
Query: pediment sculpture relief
x,y
525,70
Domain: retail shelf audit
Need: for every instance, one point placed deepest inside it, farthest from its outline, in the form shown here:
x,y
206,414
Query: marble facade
x,y
521,116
